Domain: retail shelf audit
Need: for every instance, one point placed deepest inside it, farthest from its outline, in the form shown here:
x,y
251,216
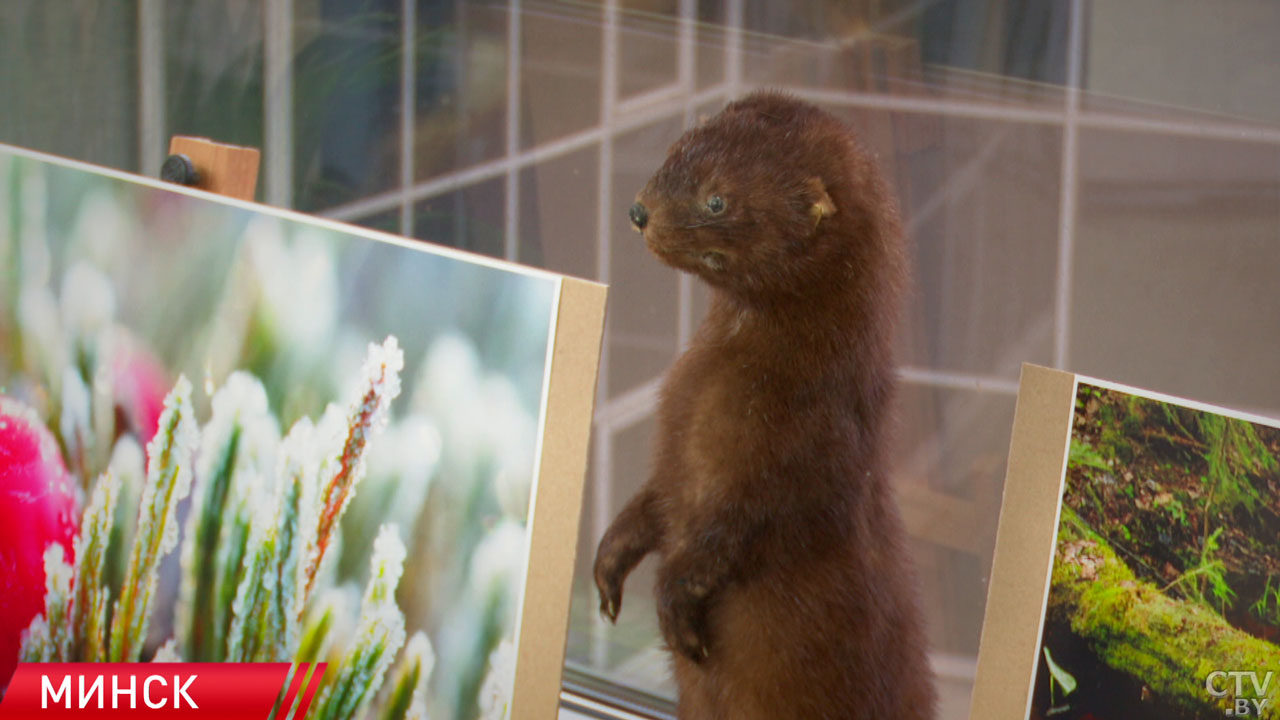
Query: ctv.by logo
x,y
1219,684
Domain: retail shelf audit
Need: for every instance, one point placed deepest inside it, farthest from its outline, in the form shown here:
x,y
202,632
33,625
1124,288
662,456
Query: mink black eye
x,y
715,204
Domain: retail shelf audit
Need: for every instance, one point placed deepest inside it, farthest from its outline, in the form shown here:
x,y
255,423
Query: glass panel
x,y
69,81
955,442
1216,57
385,221
560,71
469,219
213,89
555,231
1173,284
346,87
973,50
979,200
460,106
709,41
1167,165
648,45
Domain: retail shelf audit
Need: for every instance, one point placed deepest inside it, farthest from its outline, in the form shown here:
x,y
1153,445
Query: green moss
x,y
1082,455
1171,646
1235,453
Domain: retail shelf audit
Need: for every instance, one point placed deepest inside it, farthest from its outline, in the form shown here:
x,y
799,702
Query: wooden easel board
x,y
1134,529
223,169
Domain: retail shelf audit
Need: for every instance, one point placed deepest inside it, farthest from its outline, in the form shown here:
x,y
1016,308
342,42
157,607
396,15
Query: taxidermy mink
x,y
784,588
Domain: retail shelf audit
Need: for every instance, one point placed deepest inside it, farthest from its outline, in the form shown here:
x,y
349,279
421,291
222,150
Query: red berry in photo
x,y
37,507
141,383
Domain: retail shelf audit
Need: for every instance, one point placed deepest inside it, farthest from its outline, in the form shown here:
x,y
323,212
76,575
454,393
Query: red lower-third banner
x,y
162,690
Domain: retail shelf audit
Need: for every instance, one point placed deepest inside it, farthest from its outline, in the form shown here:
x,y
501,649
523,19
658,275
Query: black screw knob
x,y
179,169
639,216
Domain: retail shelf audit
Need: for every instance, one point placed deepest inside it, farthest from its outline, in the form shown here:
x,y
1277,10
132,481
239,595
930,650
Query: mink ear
x,y
822,204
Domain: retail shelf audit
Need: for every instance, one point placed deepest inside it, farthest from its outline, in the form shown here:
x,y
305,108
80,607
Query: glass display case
x,y
1093,186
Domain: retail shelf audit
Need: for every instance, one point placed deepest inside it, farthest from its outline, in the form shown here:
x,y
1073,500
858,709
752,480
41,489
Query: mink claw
x,y
691,644
610,601
609,611
697,652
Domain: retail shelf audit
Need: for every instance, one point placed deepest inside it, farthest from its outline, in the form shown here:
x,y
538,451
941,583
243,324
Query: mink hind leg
x,y
706,692
693,701
800,645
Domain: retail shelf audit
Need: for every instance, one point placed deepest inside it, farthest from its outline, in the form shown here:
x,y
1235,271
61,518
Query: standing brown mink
x,y
784,589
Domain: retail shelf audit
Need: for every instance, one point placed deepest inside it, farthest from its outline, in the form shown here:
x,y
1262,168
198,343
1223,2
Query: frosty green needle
x,y
169,458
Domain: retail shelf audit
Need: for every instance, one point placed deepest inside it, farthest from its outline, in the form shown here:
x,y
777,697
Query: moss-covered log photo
x,y
1164,600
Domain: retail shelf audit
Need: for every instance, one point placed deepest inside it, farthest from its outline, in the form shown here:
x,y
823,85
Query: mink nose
x,y
639,216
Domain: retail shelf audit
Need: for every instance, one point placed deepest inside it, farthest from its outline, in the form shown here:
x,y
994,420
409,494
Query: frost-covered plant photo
x,y
231,436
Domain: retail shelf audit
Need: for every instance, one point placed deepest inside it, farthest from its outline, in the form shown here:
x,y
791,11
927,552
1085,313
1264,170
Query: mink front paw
x,y
609,576
682,617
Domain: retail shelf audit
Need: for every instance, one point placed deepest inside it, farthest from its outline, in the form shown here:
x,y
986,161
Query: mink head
x,y
771,197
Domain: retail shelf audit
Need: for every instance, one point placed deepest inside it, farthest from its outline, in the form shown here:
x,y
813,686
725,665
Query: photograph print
x,y
1164,593
234,434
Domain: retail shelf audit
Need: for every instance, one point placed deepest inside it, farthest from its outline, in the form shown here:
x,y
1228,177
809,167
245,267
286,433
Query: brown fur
x,y
784,589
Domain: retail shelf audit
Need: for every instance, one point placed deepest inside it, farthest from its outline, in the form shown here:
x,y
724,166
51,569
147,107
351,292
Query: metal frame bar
x,y
408,105
277,102
152,146
1068,187
602,471
511,248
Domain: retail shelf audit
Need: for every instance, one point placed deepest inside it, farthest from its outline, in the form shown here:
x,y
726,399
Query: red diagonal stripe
x,y
313,684
290,709
290,691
